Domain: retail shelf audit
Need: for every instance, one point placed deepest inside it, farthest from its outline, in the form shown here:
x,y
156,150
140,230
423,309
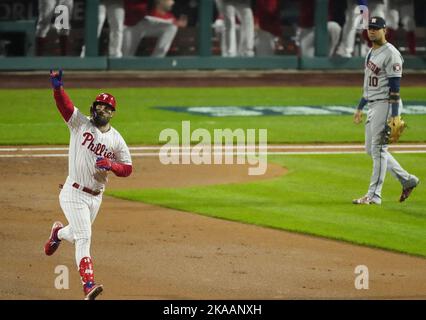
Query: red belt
x,y
87,190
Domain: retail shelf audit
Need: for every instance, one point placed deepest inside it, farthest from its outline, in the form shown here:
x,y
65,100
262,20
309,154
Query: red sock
x,y
87,274
411,41
40,45
63,43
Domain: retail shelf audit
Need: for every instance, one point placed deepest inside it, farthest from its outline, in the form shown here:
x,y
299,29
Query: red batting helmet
x,y
105,98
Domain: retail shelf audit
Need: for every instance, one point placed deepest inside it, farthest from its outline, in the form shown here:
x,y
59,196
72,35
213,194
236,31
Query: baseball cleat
x,y
365,200
53,243
92,292
407,191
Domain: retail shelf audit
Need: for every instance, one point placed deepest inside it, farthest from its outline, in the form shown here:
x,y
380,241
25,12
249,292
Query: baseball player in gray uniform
x,y
383,71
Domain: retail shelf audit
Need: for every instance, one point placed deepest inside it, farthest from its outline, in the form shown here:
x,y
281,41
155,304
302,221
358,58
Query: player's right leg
x,y
347,43
132,35
334,31
102,13
165,32
367,199
115,14
306,41
245,14
64,33
230,30
45,9
379,150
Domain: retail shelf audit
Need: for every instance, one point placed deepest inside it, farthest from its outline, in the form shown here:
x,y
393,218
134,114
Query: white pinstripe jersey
x,y
87,143
380,65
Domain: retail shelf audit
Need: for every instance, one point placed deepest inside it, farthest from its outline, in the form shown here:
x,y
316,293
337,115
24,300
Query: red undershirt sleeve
x,y
121,169
64,103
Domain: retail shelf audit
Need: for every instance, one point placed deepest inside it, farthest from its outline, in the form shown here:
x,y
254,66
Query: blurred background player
x,y
114,11
146,20
305,33
401,11
219,27
268,31
241,9
46,9
353,20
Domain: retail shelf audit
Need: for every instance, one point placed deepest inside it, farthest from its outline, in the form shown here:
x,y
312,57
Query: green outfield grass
x,y
31,117
314,198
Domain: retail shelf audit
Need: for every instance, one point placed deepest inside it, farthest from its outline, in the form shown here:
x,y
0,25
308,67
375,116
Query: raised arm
x,y
63,102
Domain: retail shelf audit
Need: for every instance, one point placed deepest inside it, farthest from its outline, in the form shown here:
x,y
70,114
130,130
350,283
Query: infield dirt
x,y
147,252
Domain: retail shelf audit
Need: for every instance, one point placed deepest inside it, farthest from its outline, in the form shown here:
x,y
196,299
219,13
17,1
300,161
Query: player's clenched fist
x,y
103,163
56,79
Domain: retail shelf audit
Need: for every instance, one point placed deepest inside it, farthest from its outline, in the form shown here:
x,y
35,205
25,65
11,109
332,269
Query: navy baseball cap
x,y
376,23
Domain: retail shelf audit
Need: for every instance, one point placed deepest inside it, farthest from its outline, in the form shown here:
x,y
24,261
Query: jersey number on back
x,y
373,81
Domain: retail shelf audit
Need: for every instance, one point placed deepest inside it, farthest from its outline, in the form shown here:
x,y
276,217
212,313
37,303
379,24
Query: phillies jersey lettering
x,y
380,65
98,149
87,143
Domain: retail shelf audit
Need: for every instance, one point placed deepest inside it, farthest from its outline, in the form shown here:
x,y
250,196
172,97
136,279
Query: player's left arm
x,y
394,94
394,73
119,169
122,167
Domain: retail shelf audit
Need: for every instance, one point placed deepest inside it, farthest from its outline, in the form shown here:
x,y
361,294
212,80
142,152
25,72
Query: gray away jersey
x,y
380,65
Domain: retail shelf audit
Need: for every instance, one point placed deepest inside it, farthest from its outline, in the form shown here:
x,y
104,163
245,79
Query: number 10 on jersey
x,y
373,81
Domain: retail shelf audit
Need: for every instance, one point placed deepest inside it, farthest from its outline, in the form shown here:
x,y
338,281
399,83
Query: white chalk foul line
x,y
156,154
226,147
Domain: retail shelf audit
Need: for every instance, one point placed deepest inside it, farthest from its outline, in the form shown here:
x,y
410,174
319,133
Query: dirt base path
x,y
148,252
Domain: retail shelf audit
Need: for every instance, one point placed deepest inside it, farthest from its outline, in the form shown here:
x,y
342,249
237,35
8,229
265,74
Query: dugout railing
x,y
203,60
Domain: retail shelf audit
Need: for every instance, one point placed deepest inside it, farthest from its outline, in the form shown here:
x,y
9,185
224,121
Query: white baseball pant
x,y
242,9
165,31
306,39
80,209
114,11
377,117
264,43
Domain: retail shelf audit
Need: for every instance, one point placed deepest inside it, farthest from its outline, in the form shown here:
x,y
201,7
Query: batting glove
x,y
103,163
56,79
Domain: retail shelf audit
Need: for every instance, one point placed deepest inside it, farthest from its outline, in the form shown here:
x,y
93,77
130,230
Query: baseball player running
x,y
383,71
95,149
